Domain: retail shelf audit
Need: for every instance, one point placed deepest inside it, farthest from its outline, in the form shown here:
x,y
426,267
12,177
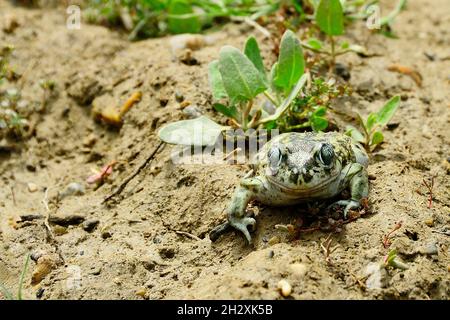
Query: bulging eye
x,y
326,154
275,156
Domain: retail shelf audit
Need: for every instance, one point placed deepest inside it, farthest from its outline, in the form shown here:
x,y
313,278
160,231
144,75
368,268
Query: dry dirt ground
x,y
152,240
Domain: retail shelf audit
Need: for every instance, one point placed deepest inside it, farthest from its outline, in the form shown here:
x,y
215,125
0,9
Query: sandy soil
x,y
151,241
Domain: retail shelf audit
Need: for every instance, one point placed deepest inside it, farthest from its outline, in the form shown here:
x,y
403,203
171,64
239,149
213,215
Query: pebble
x,y
429,249
285,288
45,264
59,230
274,240
32,187
71,219
141,292
298,269
429,222
72,189
90,140
106,234
192,111
90,225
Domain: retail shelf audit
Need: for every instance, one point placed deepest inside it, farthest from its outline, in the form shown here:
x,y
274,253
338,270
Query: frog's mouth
x,y
309,190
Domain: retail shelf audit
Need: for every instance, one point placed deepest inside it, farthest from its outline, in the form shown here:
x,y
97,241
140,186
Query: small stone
x,y
96,270
32,187
192,112
274,240
429,222
45,264
72,189
59,230
90,225
429,249
298,269
141,292
71,219
285,288
90,140
179,96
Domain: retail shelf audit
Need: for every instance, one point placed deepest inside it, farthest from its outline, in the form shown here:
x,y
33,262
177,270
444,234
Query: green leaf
x,y
320,112
5,292
230,112
241,79
387,112
355,134
377,138
330,17
22,277
291,63
314,43
372,119
215,81
319,123
252,52
182,18
201,131
345,45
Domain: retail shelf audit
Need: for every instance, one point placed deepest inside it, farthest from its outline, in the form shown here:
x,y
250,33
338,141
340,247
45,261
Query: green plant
x,y
150,18
6,293
372,136
252,98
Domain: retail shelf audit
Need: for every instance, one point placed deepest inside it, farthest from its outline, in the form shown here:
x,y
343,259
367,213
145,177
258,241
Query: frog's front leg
x,y
237,210
358,181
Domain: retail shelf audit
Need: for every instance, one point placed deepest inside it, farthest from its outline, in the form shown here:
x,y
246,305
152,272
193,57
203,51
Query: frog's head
x,y
301,163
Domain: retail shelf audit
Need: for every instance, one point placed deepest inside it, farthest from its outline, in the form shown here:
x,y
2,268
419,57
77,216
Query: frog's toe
x,y
348,204
243,224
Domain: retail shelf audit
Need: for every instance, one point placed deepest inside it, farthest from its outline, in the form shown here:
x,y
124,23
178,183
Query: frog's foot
x,y
242,224
219,230
348,204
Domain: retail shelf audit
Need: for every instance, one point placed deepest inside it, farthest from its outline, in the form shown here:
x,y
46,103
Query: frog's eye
x,y
326,154
275,156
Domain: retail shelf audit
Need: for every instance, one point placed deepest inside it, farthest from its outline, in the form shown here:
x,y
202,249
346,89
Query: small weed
x,y
429,185
387,237
372,136
327,249
6,293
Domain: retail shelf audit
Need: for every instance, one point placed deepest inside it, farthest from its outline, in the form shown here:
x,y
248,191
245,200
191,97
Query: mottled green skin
x,y
300,175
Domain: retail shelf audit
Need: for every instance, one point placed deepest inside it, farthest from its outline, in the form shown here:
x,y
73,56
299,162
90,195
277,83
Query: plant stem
x,y
272,99
245,114
333,54
22,277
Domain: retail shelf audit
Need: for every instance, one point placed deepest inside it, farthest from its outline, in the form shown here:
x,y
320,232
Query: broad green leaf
x,y
377,138
291,63
386,113
241,79
201,131
182,18
320,112
215,81
372,119
314,43
355,134
230,112
319,123
252,52
330,17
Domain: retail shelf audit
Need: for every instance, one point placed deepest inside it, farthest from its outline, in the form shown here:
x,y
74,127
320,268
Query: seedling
x,y
429,186
391,260
249,96
327,249
6,293
372,136
387,237
329,17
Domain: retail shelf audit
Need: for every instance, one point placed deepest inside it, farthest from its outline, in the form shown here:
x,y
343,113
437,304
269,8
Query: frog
x,y
294,168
